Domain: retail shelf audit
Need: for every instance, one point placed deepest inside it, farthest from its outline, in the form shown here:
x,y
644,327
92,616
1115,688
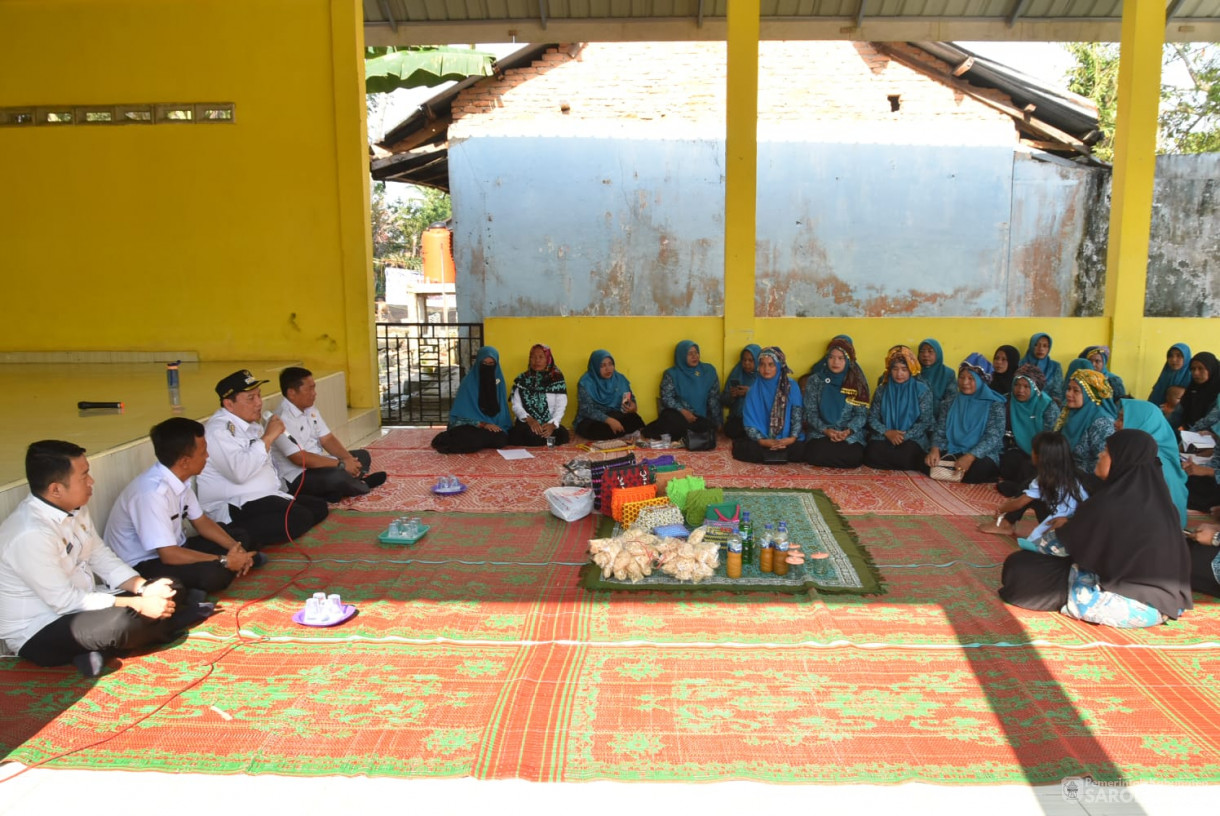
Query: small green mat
x,y
813,522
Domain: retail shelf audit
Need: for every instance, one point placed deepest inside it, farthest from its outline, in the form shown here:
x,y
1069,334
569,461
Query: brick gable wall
x,y
671,86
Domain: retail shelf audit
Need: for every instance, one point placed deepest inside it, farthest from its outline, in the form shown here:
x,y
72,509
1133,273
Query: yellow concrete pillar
x,y
1139,96
740,177
355,238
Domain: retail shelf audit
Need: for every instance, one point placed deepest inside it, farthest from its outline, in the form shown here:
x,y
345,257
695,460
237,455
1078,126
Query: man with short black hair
x,y
239,484
51,611
308,449
145,525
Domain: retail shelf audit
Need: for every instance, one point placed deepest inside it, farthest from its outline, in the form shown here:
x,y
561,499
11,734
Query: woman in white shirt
x,y
540,398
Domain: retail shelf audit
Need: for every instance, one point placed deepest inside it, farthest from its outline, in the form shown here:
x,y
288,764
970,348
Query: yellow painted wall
x,y
643,346
243,241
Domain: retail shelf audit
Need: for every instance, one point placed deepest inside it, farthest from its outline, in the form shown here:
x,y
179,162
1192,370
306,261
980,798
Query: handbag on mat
x,y
728,512
633,510
700,440
665,475
597,472
679,487
620,497
697,502
944,471
657,515
619,477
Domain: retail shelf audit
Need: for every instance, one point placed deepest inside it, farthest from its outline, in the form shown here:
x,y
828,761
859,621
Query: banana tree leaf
x,y
423,67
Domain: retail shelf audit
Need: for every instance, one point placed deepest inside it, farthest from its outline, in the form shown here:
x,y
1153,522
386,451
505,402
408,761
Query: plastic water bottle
x,y
747,538
764,549
780,547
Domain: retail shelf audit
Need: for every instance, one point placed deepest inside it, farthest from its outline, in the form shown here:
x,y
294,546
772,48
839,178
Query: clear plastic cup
x,y
334,607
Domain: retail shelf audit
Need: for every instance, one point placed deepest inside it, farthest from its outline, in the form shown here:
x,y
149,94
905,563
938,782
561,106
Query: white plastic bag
x,y
569,503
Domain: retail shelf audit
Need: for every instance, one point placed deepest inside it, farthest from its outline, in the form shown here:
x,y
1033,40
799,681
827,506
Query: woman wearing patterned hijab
x,y
902,416
772,414
1099,357
690,396
971,428
1030,412
1088,417
836,409
540,398
479,417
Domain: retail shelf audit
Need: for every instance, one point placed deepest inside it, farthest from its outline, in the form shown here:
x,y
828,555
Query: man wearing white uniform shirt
x,y
331,471
239,484
51,611
145,526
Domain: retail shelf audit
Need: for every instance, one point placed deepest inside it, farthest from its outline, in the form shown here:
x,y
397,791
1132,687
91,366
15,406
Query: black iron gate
x,y
421,366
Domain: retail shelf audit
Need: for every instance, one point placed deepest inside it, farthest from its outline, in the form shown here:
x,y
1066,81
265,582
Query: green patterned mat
x,y
813,521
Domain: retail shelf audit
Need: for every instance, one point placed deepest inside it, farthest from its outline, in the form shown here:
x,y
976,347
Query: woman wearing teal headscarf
x,y
1030,412
836,409
1109,404
605,405
743,375
480,417
1146,417
972,427
901,417
690,396
935,374
772,414
1099,357
1039,354
1087,421
1173,380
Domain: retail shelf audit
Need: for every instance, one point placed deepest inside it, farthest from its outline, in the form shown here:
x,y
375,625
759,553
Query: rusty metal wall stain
x,y
615,227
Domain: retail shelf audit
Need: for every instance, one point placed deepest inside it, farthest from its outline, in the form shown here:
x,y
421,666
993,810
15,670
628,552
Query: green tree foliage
x,y
1190,94
398,227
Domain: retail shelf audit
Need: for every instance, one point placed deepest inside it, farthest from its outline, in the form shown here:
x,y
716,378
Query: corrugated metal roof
x,y
431,21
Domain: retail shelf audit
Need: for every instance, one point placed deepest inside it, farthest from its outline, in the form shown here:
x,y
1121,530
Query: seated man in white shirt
x,y
308,445
51,611
145,524
239,484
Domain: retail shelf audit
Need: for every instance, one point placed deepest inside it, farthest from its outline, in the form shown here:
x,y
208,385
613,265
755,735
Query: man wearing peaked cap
x,y
239,485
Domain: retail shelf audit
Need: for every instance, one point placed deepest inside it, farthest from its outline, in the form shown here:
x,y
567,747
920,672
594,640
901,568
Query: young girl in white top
x,y
1054,493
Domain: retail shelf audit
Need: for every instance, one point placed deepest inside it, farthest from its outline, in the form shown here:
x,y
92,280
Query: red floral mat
x,y
499,485
476,653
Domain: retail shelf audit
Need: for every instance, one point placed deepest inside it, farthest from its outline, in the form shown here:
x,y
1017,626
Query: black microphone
x,y
85,406
267,418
